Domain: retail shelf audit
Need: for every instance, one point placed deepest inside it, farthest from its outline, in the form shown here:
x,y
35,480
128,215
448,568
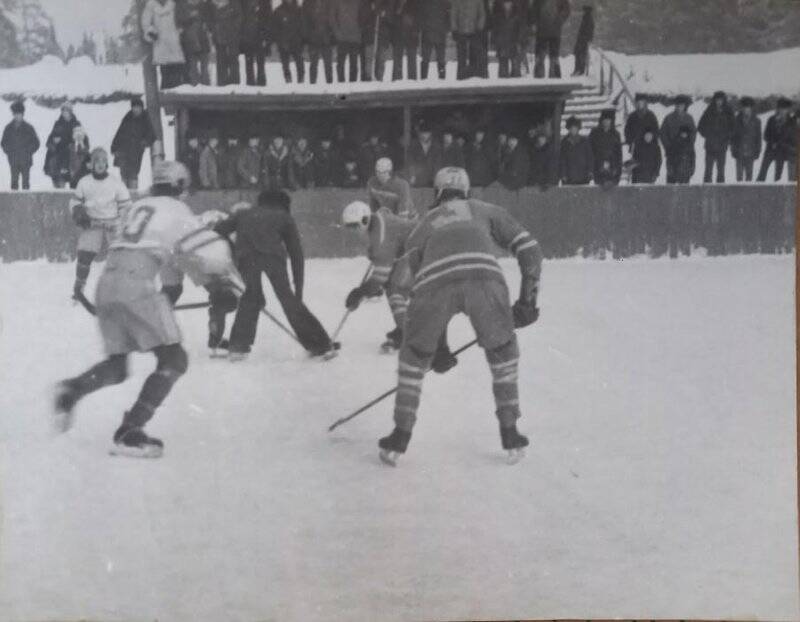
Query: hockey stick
x,y
348,312
91,308
392,391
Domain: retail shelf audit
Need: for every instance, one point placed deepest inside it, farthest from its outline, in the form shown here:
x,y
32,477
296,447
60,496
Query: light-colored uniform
x,y
158,237
105,201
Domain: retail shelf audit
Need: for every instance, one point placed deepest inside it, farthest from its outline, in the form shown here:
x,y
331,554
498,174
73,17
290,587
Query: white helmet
x,y
356,214
451,177
172,173
384,165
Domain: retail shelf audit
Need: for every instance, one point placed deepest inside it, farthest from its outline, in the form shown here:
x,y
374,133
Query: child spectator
x,y
780,141
160,29
228,159
606,150
276,172
302,164
256,24
641,120
452,153
434,20
424,158
327,164
746,140
681,160
226,19
346,25
507,25
671,126
288,33
319,37
191,17
350,177
549,17
249,164
480,160
191,158
582,41
135,134
576,164
716,126
514,165
56,162
19,143
78,156
467,23
209,164
647,158
543,164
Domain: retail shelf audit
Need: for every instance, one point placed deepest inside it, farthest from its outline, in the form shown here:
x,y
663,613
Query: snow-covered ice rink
x,y
659,397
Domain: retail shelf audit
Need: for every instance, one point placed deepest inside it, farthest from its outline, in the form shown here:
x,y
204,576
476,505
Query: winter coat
x,y
350,179
585,31
249,167
422,166
607,155
160,28
256,24
303,167
192,161
209,169
78,158
226,22
781,136
276,172
317,26
746,138
134,135
542,170
19,143
368,15
287,26
549,16
467,17
368,155
671,127
514,168
648,161
716,126
228,166
507,30
576,163
56,161
638,123
481,164
453,155
192,18
434,19
346,20
327,167
681,161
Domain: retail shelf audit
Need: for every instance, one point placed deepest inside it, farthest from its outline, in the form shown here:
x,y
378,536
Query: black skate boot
x,y
132,441
327,352
514,443
393,445
394,339
67,395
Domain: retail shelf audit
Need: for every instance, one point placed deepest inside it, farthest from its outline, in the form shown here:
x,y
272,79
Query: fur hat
x,y
720,95
136,101
573,122
608,113
18,108
747,102
683,99
640,97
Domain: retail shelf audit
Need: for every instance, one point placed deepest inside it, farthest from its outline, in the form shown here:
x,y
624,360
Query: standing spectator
x,y
387,190
249,164
434,21
226,19
647,158
288,31
134,135
746,140
209,164
606,150
191,158
228,160
327,165
507,25
191,17
405,38
302,164
424,158
641,120
160,29
716,126
582,41
543,163
370,152
276,172
514,165
452,152
350,177
19,143
575,164
346,23
467,23
319,37
500,148
256,24
56,161
780,137
548,16
682,157
79,156
374,50
480,161
670,129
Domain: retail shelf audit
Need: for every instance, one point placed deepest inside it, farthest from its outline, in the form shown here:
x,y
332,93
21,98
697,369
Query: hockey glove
x,y
443,360
173,292
525,313
80,217
354,298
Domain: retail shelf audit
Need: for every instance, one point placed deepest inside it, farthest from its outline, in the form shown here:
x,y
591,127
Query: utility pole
x,y
151,94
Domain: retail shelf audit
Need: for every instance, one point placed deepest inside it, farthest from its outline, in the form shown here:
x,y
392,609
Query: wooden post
x,y
181,130
151,95
406,133
558,106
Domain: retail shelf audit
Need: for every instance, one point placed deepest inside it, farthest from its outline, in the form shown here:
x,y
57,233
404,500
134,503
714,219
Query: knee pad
x,y
172,360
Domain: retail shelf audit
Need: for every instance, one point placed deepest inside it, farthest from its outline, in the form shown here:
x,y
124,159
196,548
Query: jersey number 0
x,y
136,223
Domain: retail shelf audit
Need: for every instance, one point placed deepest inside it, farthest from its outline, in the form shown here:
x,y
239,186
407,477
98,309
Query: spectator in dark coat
x,y
160,29
681,160
746,140
59,142
424,159
226,20
780,136
549,17
542,171
302,164
350,177
452,153
256,25
405,38
191,17
78,156
346,20
468,20
648,159
641,120
582,41
514,165
276,172
319,37
606,150
671,128
249,164
507,25
371,151
716,126
209,164
434,21
576,164
135,134
327,165
480,160
19,143
373,59
191,158
288,33
228,160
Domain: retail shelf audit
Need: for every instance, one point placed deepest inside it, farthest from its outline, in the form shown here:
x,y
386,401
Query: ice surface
x,y
659,397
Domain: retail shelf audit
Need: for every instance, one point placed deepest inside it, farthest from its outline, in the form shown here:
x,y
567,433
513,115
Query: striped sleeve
x,y
509,233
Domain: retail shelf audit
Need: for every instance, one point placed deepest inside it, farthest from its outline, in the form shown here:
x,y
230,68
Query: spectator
x,y
342,144
134,135
370,152
209,164
19,143
191,17
575,164
507,25
191,158
467,23
302,164
542,162
160,29
350,177
319,37
424,158
548,16
405,38
387,190
670,129
288,32
582,41
256,25
434,21
452,152
716,126
501,147
276,171
226,19
228,160
327,165
647,158
480,161
56,161
681,160
639,122
514,165
78,156
606,150
746,140
249,164
346,23
374,51
780,139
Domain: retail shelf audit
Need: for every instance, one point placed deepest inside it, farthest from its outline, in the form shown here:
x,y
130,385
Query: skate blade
x,y
388,457
219,354
148,452
515,455
236,357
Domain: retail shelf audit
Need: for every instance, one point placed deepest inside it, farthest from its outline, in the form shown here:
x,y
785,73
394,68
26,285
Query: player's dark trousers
x,y
308,329
287,56
324,52
715,158
254,69
24,173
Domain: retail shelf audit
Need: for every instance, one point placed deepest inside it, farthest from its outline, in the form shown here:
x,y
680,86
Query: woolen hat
x,y
683,99
640,97
748,102
137,101
18,108
573,122
608,113
719,95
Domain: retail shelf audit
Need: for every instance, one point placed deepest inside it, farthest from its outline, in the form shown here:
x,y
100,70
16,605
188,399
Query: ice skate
x,y
327,353
238,354
394,339
65,399
132,442
514,443
393,445
220,350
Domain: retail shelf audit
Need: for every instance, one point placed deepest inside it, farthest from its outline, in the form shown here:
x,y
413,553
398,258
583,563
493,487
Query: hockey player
x,y
450,267
159,238
97,205
389,191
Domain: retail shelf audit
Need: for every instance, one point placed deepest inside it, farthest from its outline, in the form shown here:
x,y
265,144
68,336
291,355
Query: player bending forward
x,y
159,237
450,267
97,206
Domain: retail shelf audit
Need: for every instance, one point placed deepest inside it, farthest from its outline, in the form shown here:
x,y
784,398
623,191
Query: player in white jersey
x,y
159,238
97,205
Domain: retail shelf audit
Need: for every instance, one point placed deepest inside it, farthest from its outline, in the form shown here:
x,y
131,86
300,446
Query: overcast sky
x,y
74,17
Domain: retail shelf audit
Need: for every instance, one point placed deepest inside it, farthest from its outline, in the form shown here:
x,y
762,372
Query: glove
x,y
80,217
354,298
524,313
173,292
443,360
